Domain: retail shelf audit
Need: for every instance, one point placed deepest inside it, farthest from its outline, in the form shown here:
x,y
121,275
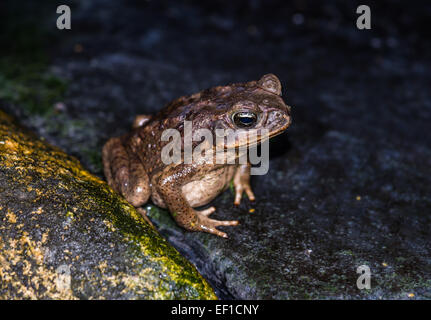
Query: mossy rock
x,y
64,234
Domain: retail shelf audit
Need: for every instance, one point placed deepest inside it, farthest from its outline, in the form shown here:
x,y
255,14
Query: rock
x,y
343,207
66,235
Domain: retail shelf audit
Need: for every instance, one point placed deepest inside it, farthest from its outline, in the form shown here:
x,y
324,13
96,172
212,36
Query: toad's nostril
x,y
274,116
278,115
279,118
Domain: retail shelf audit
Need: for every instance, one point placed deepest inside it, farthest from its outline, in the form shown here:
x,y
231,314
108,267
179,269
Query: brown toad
x,y
133,162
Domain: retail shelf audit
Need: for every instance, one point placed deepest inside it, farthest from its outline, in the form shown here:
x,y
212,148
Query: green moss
x,y
30,86
347,253
161,216
24,76
68,195
95,159
232,187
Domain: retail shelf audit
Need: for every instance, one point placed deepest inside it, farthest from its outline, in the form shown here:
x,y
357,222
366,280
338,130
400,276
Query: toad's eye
x,y
244,119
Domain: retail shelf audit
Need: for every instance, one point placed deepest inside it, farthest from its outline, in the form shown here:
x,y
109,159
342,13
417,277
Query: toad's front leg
x,y
169,186
241,182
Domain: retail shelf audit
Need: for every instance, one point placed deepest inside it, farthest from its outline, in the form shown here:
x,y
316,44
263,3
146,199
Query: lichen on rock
x,y
64,234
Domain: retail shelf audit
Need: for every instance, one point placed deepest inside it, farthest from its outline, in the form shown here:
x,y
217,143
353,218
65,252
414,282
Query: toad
x,y
134,166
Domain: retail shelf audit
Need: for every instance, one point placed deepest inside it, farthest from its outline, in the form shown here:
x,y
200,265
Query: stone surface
x,y
66,235
348,184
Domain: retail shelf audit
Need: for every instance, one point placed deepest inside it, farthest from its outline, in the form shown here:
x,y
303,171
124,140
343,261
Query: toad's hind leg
x,y
125,173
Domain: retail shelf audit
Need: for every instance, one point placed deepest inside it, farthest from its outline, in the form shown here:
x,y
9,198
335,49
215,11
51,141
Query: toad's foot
x,y
143,212
241,182
239,189
207,212
209,225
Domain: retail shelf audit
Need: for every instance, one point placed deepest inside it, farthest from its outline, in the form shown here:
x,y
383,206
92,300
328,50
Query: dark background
x,y
351,178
